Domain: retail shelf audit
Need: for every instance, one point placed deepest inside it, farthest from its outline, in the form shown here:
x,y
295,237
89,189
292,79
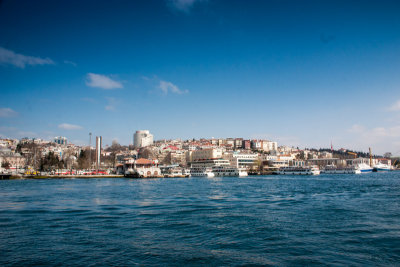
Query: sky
x,y
302,73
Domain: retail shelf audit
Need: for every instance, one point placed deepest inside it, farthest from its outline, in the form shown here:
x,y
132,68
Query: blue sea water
x,y
338,220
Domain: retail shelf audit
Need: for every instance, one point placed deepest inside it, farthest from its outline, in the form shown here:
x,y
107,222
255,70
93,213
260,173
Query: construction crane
x,y
352,153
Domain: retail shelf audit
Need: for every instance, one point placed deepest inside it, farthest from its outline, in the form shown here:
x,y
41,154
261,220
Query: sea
x,y
335,220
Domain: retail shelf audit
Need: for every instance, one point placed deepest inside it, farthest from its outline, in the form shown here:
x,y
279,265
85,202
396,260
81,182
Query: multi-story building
x,y
264,145
142,138
61,140
214,153
246,144
238,143
15,160
241,160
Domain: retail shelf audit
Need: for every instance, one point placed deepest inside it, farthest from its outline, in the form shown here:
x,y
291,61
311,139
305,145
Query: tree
x,y
83,159
49,162
168,159
146,153
387,155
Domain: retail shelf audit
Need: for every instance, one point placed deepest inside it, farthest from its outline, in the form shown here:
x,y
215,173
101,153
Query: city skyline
x,y
302,74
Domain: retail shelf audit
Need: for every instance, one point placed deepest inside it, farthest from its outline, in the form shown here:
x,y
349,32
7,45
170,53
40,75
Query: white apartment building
x,y
61,140
264,145
142,138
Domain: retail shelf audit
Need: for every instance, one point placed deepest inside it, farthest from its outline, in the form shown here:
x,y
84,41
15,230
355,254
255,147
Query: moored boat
x,y
332,169
364,167
380,167
201,172
223,171
299,170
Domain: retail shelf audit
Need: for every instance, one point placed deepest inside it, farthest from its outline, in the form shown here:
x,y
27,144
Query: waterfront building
x,y
142,138
61,140
141,168
321,162
15,160
273,161
241,160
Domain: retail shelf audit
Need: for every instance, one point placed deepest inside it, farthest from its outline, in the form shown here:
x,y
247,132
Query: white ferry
x,y
332,169
201,172
223,171
299,170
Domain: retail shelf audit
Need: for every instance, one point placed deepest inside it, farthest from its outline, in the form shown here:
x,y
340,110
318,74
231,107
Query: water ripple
x,y
275,220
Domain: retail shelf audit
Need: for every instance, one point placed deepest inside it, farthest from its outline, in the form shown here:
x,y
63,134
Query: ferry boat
x,y
380,167
364,167
186,172
201,172
299,170
220,171
332,169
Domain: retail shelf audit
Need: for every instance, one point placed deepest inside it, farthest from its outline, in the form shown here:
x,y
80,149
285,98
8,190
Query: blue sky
x,y
304,73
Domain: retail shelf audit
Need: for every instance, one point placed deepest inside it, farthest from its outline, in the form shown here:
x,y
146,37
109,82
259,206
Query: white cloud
x,y
182,5
70,63
67,126
20,61
7,112
381,139
102,81
167,87
395,106
88,99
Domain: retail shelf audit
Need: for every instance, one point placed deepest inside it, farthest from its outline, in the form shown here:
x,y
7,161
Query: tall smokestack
x,y
98,151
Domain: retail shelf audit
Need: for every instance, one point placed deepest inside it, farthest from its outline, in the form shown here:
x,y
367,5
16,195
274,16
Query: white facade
x,y
241,160
264,145
142,138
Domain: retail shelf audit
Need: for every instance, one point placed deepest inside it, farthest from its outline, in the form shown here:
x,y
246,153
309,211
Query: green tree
x,y
83,159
